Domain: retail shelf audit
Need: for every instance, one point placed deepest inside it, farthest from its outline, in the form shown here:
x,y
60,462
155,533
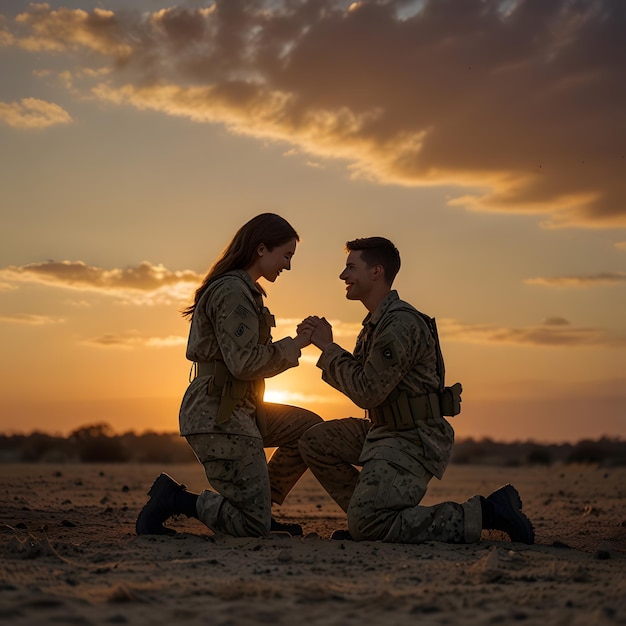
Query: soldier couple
x,y
396,374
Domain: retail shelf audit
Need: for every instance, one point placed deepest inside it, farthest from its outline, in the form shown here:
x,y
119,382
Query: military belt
x,y
231,390
404,412
205,369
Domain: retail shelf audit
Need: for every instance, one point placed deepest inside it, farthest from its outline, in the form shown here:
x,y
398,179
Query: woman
x,y
223,416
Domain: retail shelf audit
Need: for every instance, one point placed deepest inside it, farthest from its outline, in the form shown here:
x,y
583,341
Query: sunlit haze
x,y
487,140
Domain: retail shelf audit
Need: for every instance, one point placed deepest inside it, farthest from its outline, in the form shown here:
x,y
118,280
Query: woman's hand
x,y
305,330
322,334
318,329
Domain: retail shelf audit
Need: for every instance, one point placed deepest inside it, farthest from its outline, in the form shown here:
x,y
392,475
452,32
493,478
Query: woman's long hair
x,y
267,228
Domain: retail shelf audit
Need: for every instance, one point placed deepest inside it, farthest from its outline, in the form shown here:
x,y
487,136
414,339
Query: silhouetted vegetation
x,y
95,443
98,443
604,451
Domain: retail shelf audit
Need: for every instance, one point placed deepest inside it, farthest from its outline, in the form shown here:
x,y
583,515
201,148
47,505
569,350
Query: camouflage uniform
x,y
395,350
226,326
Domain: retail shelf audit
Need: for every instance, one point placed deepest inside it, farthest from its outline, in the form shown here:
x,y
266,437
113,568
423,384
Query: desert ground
x,y
70,555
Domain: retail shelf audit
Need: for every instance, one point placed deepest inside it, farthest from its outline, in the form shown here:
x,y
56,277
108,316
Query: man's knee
x,y
366,523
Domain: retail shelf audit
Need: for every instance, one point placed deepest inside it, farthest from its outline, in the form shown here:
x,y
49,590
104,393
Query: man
x,y
405,440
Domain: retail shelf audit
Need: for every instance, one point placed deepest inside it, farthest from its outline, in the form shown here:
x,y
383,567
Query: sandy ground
x,y
70,556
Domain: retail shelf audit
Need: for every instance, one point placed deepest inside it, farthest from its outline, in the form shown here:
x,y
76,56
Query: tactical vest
x,y
400,411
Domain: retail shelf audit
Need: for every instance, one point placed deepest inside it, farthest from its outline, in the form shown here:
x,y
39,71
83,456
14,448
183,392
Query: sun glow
x,y
279,396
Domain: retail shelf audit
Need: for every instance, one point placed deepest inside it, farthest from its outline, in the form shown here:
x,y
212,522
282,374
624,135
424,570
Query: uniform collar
x,y
381,309
254,287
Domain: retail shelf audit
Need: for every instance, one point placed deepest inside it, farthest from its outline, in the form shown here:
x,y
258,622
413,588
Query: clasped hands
x,y
315,330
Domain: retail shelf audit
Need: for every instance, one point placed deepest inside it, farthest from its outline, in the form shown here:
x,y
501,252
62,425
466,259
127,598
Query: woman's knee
x,y
311,419
255,526
311,441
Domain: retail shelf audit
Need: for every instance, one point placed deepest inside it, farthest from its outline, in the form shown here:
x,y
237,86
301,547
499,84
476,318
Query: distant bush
x,y
158,448
96,443
539,456
604,452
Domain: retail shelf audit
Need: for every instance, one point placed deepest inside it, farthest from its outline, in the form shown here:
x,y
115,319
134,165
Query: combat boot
x,y
167,498
295,530
341,535
502,511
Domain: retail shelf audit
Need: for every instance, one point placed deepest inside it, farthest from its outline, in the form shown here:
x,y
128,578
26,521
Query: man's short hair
x,y
378,251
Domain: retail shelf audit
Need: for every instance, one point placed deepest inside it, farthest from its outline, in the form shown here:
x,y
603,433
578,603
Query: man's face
x,y
357,277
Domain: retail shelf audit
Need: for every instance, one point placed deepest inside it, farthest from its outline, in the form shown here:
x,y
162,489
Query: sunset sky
x,y
486,138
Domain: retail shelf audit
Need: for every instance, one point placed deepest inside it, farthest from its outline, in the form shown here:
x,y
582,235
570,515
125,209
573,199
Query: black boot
x,y
341,535
167,498
295,530
502,511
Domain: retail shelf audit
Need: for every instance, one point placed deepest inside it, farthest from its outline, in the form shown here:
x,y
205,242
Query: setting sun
x,y
280,396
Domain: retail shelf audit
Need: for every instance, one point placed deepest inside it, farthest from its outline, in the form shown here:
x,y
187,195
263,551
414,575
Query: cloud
x,y
68,29
555,332
132,340
32,113
144,284
620,245
556,321
591,280
30,319
520,101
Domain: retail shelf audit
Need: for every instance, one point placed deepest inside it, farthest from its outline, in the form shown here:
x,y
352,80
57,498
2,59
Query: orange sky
x,y
485,139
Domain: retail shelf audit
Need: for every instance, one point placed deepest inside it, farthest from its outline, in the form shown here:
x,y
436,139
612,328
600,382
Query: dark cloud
x,y
556,321
522,100
590,280
138,283
559,334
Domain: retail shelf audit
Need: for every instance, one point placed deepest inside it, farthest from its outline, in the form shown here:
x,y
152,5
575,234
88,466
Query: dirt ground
x,y
70,556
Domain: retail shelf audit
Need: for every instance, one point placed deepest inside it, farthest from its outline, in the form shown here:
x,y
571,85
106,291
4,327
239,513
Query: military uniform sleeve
x,y
396,345
236,323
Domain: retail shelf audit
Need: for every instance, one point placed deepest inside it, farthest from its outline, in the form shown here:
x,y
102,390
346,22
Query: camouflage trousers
x,y
245,483
382,501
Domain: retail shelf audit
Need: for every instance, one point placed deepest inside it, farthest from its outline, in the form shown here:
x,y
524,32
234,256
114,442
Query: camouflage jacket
x,y
225,325
394,349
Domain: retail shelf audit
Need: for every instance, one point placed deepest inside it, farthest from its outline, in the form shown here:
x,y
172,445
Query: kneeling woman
x,y
223,416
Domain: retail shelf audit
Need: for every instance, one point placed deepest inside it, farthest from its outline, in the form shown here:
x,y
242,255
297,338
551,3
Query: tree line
x,y
98,443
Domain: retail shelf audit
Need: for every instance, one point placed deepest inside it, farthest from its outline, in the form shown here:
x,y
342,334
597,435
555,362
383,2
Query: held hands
x,y
318,329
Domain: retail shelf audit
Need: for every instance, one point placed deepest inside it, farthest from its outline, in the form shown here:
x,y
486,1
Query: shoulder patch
x,y
240,325
385,355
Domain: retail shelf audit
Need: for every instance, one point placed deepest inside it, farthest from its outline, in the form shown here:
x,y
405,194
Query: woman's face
x,y
272,262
